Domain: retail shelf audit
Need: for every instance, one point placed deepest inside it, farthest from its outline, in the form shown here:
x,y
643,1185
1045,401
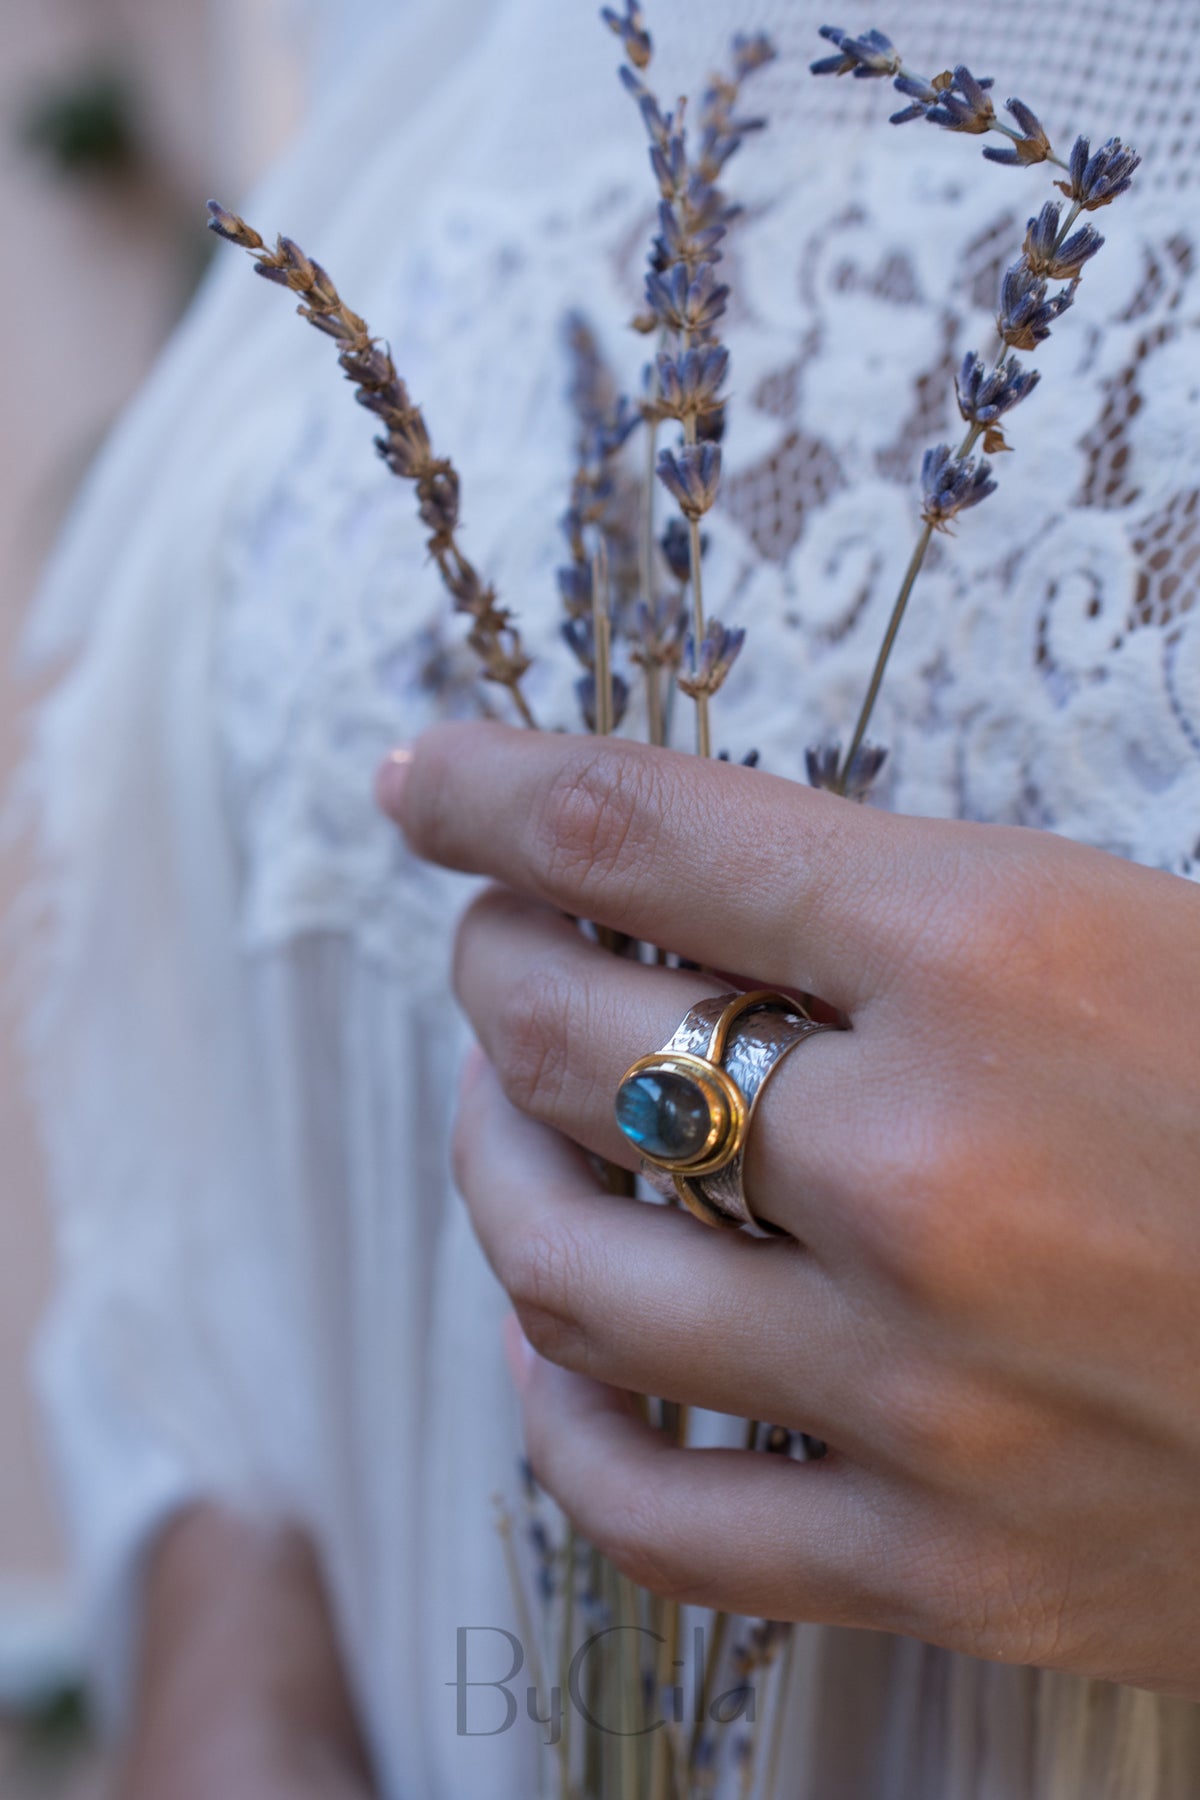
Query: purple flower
x,y
631,29
966,106
951,484
1097,180
1033,146
1026,315
657,123
824,766
585,693
865,57
689,384
676,546
719,651
1048,258
923,94
984,394
751,52
692,476
685,303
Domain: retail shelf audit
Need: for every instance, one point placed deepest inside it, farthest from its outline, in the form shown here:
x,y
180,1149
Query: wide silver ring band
x,y
766,1028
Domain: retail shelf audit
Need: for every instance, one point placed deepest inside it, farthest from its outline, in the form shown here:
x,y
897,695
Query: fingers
x,y
561,1021
730,867
745,1533
643,1297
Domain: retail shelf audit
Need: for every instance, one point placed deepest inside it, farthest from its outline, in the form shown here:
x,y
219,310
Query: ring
x,y
688,1107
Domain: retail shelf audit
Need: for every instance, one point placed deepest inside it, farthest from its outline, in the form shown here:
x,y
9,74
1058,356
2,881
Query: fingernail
x,y
390,779
520,1353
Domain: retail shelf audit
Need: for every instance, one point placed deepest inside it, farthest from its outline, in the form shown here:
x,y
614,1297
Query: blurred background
x,y
117,119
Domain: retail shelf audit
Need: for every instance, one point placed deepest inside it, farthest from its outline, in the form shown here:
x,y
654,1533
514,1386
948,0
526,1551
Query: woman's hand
x,y
990,1306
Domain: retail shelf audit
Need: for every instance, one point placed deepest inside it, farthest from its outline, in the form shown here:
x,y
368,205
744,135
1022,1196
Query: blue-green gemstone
x,y
665,1114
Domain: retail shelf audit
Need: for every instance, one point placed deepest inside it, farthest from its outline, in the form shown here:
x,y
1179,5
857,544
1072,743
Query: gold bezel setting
x,y
727,1111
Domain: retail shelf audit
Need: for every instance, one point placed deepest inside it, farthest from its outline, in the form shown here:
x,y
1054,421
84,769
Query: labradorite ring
x,y
688,1108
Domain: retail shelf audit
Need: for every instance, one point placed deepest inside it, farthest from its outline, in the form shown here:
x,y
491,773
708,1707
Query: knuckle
x,y
531,1039
913,1220
546,1274
597,825
995,917
639,1536
929,1424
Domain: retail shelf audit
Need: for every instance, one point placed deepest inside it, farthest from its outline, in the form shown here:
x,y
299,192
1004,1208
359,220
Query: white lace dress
x,y
245,1048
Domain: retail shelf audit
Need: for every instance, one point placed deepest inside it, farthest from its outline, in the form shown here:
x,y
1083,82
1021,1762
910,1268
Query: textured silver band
x,y
757,1044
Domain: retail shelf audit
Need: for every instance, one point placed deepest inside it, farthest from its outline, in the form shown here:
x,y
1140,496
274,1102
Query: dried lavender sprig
x,y
953,481
405,445
957,101
685,303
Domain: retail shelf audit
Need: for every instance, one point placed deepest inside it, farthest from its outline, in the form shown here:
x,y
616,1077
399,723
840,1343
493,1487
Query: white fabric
x,y
245,1050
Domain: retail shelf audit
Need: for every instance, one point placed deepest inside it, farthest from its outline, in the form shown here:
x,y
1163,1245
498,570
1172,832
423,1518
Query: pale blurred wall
x,y
91,287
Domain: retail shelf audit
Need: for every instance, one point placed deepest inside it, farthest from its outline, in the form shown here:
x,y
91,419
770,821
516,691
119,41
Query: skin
x,y
986,1303
241,1694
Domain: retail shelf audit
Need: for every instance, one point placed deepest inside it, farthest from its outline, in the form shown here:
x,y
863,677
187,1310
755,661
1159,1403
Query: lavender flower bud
x,y
922,93
1026,316
865,57
751,53
676,546
585,693
680,243
718,653
296,260
1051,260
966,106
437,495
632,32
706,205
657,636
691,306
234,230
951,484
1033,147
1100,179
657,123
984,394
281,278
578,634
689,384
670,165
406,447
824,766
692,476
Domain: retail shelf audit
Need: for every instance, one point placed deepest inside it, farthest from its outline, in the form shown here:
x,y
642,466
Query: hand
x,y
242,1695
989,1304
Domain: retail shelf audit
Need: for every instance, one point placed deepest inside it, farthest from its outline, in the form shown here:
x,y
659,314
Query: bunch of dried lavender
x,y
685,304
404,446
954,480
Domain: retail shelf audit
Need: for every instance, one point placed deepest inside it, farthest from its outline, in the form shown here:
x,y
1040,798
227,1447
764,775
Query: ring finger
x,y
561,1021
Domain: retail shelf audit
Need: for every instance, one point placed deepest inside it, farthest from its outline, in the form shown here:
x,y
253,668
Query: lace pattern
x,y
1050,670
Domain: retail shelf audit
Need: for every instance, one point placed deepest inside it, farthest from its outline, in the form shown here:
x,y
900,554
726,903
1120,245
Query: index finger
x,y
727,866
